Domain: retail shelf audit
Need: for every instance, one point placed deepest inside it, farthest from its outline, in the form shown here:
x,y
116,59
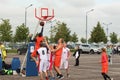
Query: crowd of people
x,y
57,56
48,56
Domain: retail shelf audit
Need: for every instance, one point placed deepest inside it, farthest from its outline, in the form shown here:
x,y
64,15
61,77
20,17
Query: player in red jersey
x,y
38,39
58,55
104,63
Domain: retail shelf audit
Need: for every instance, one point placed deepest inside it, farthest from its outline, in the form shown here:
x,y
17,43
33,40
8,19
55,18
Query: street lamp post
x,y
26,14
51,27
107,29
87,24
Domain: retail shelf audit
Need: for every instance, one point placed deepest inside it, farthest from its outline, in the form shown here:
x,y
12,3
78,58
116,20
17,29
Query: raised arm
x,y
41,32
31,39
46,42
58,47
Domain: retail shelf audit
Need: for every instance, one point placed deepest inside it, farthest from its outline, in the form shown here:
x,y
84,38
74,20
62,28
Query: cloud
x,y
72,12
107,13
111,9
80,3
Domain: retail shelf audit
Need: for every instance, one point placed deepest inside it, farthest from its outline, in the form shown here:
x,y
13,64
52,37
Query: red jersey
x,y
104,61
38,41
58,55
37,45
59,52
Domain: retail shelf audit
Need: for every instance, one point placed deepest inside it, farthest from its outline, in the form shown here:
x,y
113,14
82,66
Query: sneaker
x,y
76,65
46,78
61,77
52,78
49,76
111,78
68,75
57,75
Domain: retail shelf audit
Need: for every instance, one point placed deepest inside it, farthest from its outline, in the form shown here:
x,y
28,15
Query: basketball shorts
x,y
43,66
64,64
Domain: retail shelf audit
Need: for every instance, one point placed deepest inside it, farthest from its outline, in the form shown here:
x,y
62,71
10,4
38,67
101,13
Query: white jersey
x,y
42,53
76,55
64,62
65,53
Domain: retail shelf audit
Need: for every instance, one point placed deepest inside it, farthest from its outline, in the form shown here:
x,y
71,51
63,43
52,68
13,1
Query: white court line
x,y
117,73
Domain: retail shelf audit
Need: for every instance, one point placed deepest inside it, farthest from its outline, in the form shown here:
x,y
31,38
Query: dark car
x,y
70,46
118,49
22,49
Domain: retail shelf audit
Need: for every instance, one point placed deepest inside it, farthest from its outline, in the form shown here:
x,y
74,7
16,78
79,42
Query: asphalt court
x,y
89,68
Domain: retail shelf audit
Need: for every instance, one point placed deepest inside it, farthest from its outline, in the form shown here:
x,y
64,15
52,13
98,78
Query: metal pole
x,y
25,42
87,24
107,29
51,27
51,30
86,30
26,14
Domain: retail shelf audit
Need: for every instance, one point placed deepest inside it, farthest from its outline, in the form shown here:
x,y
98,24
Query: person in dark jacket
x,y
77,55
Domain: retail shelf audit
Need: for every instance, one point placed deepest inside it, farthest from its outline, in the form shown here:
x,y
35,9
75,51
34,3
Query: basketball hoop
x,y
44,17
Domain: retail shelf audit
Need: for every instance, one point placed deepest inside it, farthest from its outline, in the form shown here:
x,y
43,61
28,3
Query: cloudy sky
x,y
72,12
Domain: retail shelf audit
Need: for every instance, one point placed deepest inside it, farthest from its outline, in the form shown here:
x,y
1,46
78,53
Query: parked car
x,y
95,49
8,48
87,48
70,46
118,49
22,49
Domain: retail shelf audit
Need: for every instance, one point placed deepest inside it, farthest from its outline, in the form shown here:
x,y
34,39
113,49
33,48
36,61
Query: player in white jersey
x,y
50,59
43,62
65,57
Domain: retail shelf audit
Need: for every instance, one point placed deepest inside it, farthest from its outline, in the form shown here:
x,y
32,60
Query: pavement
x,y
89,68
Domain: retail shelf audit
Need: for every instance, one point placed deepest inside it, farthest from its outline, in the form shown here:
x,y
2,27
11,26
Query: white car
x,y
87,48
8,48
95,49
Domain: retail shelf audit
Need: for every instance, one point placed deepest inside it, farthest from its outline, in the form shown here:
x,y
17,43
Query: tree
x,y
62,31
21,33
53,32
98,34
5,31
74,37
119,40
113,37
83,40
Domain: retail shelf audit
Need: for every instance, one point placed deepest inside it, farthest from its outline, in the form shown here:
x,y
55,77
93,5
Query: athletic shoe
x,y
49,76
57,75
61,76
46,78
111,78
68,75
52,78
76,65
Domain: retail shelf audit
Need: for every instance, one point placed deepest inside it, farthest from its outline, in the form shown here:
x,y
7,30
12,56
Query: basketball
x,y
42,23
